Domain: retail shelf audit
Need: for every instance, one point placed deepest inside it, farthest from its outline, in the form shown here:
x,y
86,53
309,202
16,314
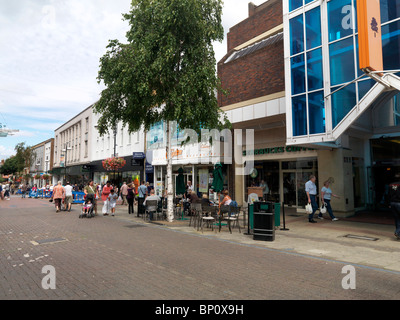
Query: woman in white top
x,y
326,195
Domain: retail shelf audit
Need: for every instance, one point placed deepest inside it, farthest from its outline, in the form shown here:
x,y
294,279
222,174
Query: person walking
x,y
23,190
311,191
130,198
394,198
124,193
112,200
58,195
91,192
142,192
326,196
68,197
105,192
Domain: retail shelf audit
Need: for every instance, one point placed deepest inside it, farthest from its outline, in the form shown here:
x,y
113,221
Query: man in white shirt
x,y
311,190
68,197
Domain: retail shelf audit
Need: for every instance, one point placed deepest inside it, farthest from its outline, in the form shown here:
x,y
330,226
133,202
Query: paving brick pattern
x,y
114,258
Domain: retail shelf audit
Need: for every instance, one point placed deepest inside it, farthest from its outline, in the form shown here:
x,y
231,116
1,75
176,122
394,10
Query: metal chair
x,y
233,216
151,207
196,212
224,209
206,217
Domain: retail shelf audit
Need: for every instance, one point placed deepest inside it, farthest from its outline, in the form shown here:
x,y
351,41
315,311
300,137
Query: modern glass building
x,y
321,56
352,120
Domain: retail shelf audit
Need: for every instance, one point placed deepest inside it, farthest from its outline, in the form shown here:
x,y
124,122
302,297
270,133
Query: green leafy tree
x,y
23,157
165,71
9,166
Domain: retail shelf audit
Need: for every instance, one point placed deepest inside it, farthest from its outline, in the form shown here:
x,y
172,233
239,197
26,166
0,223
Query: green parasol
x,y
180,182
218,181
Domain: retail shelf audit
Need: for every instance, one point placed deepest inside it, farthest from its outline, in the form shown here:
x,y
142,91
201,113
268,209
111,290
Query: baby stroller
x,y
87,207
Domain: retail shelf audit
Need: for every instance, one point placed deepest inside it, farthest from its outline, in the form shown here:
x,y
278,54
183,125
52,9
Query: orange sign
x,y
370,34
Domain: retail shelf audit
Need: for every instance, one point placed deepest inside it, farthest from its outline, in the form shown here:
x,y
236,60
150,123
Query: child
x,y
87,206
112,198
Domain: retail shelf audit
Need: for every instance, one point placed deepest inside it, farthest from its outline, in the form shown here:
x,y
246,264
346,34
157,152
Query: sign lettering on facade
x,y
275,150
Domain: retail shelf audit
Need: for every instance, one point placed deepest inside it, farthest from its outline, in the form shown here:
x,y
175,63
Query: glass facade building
x,y
321,56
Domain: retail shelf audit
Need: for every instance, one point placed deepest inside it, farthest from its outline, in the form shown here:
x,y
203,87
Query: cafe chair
x,y
151,207
233,216
196,212
206,216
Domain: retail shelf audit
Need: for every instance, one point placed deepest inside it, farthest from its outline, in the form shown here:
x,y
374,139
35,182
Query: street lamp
x,y
115,128
65,150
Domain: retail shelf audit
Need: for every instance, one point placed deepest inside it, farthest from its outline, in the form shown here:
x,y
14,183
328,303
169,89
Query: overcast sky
x,y
49,60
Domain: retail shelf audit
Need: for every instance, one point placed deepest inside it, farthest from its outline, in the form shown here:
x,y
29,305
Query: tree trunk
x,y
170,186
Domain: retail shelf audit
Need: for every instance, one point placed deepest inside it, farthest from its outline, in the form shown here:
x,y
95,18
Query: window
x,y
342,102
299,112
341,56
298,74
296,35
313,28
340,22
316,112
315,76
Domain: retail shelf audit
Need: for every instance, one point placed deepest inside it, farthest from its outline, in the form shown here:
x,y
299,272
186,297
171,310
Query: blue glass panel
x,y
299,115
298,74
340,22
390,10
341,56
308,1
364,87
294,4
313,28
342,102
296,35
316,112
391,46
314,70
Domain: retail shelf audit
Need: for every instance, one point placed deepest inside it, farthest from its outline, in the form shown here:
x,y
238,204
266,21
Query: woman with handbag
x,y
326,195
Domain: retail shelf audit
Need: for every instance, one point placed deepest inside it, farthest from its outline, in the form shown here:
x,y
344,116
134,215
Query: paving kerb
x,y
324,239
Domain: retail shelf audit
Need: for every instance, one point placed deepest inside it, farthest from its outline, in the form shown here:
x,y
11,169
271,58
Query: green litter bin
x,y
277,210
263,221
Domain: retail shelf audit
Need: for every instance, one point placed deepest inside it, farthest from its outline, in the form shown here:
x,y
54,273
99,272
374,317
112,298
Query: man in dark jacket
x,y
394,196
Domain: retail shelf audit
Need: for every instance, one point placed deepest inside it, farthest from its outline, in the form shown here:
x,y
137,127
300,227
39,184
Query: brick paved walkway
x,y
118,258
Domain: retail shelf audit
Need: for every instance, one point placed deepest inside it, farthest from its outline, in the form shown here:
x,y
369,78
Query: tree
x,y
9,166
165,72
24,156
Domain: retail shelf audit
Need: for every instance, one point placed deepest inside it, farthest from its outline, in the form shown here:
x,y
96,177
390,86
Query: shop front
x,y
280,173
197,162
385,169
133,171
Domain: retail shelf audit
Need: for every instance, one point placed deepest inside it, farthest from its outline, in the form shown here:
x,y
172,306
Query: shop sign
x,y
370,34
276,150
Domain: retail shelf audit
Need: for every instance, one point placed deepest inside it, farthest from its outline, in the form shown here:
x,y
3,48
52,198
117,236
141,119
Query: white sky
x,y
49,59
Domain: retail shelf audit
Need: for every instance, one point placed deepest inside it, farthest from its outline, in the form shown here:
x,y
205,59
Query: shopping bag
x,y
309,208
323,208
